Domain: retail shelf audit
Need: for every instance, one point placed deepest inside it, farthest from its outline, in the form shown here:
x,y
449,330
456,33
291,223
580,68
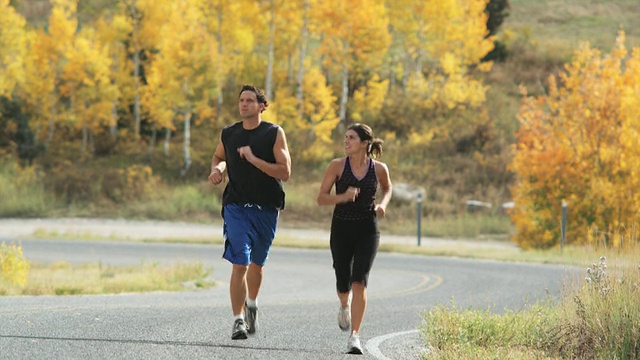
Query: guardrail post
x,y
419,219
564,224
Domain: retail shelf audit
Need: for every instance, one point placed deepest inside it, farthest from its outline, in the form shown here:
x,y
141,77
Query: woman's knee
x,y
358,287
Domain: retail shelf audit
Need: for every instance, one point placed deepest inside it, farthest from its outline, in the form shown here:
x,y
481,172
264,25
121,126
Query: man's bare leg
x,y
254,280
238,288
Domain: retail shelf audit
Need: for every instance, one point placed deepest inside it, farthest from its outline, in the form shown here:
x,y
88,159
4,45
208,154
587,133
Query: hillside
x,y
558,25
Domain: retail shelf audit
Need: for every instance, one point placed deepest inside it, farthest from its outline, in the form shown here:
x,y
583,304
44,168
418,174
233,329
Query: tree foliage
x,y
577,144
136,69
12,48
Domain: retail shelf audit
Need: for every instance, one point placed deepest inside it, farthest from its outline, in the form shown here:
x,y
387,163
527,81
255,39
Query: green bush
x,y
22,191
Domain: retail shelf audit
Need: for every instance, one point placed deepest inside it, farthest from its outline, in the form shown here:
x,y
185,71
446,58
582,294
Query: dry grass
x,y
62,278
565,24
598,318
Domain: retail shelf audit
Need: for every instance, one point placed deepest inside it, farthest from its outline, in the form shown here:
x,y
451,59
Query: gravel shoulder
x,y
14,228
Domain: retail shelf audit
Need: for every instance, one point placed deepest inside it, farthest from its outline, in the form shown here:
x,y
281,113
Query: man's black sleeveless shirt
x,y
247,183
363,207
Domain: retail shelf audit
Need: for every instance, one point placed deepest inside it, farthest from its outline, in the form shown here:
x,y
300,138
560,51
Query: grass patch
x,y
596,319
62,278
567,23
22,192
89,236
23,195
403,221
195,202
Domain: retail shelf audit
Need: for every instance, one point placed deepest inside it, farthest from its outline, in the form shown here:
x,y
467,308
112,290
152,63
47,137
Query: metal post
x,y
419,211
564,224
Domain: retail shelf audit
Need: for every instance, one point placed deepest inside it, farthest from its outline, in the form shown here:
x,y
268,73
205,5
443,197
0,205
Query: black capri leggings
x,y
354,245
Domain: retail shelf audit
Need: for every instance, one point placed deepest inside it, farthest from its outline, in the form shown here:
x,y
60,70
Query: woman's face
x,y
352,142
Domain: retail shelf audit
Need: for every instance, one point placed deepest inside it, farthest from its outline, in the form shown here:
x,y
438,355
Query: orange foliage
x,y
574,145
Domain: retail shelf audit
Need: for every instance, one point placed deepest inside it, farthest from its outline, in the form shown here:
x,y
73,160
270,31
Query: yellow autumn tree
x,y
114,32
235,42
438,47
12,48
629,110
86,82
368,100
450,34
147,19
574,145
183,78
38,92
354,35
309,135
47,51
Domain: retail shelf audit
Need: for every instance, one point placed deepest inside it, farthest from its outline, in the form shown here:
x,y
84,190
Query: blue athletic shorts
x,y
248,232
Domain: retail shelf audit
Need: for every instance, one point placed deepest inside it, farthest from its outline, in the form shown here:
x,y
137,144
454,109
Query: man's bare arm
x,y
281,169
218,164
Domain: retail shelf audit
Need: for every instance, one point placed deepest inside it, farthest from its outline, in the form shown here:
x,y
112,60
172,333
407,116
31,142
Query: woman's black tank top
x,y
363,207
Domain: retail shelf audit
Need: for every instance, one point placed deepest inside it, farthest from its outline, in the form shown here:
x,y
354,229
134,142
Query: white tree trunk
x,y
85,136
187,143
220,98
52,111
113,125
406,72
92,143
345,90
167,142
272,37
152,142
136,72
219,102
52,117
303,53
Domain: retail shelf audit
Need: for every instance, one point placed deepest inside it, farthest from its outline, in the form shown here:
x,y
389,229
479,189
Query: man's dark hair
x,y
262,99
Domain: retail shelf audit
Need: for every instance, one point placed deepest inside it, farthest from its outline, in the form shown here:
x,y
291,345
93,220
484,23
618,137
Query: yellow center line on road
x,y
429,282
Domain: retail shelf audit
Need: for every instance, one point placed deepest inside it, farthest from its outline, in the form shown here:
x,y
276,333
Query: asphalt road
x,y
298,306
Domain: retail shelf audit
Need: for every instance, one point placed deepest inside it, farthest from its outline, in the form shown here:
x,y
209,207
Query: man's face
x,y
248,105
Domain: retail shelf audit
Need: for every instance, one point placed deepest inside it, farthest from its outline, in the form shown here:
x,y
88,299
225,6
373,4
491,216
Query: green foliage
x,y
484,329
497,10
20,133
83,184
22,191
185,202
499,52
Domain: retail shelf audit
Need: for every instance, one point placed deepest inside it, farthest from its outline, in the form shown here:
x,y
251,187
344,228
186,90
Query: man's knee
x,y
255,268
239,270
